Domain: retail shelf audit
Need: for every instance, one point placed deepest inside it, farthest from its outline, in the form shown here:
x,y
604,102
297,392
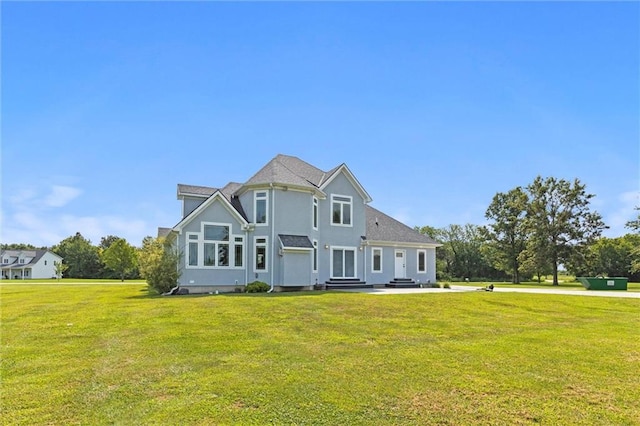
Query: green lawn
x,y
113,354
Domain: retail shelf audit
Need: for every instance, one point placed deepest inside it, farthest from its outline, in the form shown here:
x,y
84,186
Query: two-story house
x,y
294,227
28,264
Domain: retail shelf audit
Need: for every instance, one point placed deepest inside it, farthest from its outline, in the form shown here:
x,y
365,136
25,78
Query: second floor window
x,y
260,207
315,213
341,210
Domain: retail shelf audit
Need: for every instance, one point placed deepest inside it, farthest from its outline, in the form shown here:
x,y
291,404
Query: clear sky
x,y
434,106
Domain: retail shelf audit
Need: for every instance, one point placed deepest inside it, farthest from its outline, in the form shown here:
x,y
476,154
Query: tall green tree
x,y
507,234
634,225
81,257
560,222
60,268
159,264
613,257
18,246
464,256
120,257
105,242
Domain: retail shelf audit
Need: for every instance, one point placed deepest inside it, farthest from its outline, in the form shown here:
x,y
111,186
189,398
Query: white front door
x,y
400,269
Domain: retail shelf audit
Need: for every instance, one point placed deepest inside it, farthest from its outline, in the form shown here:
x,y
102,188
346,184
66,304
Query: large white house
x,y
28,264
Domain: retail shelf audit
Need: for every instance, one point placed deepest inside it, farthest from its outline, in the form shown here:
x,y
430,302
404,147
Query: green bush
x,y
258,287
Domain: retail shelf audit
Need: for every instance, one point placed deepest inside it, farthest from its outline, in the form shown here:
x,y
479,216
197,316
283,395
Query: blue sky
x,y
434,106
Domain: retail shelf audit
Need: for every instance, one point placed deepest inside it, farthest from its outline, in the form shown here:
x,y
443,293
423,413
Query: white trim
x,y
400,244
255,253
418,252
351,177
315,255
404,263
373,250
215,196
315,212
342,203
266,207
355,260
201,241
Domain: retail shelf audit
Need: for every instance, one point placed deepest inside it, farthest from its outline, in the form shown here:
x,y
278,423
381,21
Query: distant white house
x,y
28,264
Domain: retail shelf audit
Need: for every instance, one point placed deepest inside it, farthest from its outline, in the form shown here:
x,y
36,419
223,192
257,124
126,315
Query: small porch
x,y
16,273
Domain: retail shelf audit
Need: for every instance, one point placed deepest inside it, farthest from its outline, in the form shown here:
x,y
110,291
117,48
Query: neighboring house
x,y
28,264
294,227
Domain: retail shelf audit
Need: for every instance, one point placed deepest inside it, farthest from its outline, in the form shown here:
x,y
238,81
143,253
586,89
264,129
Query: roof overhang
x,y
401,244
295,242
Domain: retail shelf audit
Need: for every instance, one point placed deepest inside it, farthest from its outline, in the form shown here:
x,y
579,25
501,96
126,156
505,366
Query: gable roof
x,y
291,171
217,195
382,228
345,170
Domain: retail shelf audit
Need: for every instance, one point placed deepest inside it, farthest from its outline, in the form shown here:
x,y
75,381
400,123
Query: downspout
x,y
364,261
246,256
273,232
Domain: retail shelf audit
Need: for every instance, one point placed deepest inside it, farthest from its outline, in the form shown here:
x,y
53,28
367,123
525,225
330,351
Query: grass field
x,y
113,354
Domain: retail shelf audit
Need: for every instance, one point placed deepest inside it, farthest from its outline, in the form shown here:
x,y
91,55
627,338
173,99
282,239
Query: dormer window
x,y
260,203
21,261
341,209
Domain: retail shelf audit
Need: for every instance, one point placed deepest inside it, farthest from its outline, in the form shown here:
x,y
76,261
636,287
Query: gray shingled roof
x,y
204,191
295,241
288,170
36,254
381,227
163,232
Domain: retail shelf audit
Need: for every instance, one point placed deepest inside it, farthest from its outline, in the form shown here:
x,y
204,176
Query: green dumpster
x,y
599,283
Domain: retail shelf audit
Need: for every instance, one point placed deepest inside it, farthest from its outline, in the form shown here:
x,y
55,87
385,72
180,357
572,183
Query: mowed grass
x,y
109,354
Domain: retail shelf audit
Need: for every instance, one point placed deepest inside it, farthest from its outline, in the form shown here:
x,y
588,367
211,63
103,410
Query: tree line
x,y
113,258
532,232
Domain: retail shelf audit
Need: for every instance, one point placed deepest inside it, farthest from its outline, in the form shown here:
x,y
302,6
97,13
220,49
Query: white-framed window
x,y
261,207
238,252
343,262
260,250
21,261
315,256
422,261
26,272
376,259
5,260
341,210
192,246
214,247
314,219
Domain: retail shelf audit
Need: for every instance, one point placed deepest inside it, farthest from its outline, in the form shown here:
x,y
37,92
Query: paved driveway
x,y
459,288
